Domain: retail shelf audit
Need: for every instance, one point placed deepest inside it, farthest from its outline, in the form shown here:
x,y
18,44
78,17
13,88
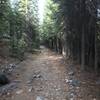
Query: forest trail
x,y
42,77
46,76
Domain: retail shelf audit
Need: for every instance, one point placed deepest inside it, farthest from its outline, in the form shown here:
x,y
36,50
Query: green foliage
x,y
20,23
4,12
48,27
70,25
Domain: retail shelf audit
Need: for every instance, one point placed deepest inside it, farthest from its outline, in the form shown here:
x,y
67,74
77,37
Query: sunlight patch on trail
x,y
55,58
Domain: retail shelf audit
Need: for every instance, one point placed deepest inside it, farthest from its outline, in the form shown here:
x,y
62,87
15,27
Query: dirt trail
x,y
42,77
46,76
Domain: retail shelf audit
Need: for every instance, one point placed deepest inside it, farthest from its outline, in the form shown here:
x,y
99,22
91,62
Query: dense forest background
x,y
70,27
18,27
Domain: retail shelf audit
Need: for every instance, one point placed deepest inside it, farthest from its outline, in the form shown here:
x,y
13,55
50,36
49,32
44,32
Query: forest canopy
x,y
19,24
72,27
69,27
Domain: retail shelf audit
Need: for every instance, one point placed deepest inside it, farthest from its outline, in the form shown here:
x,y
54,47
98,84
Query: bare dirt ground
x,y
46,76
41,77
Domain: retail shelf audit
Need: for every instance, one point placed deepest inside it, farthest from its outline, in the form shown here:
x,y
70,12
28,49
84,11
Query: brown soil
x,y
44,76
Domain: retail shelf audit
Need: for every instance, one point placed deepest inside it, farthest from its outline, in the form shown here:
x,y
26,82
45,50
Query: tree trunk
x,y
96,60
96,52
83,50
83,16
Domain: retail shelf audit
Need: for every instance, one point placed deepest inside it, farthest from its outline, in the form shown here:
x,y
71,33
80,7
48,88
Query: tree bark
x,y
83,50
